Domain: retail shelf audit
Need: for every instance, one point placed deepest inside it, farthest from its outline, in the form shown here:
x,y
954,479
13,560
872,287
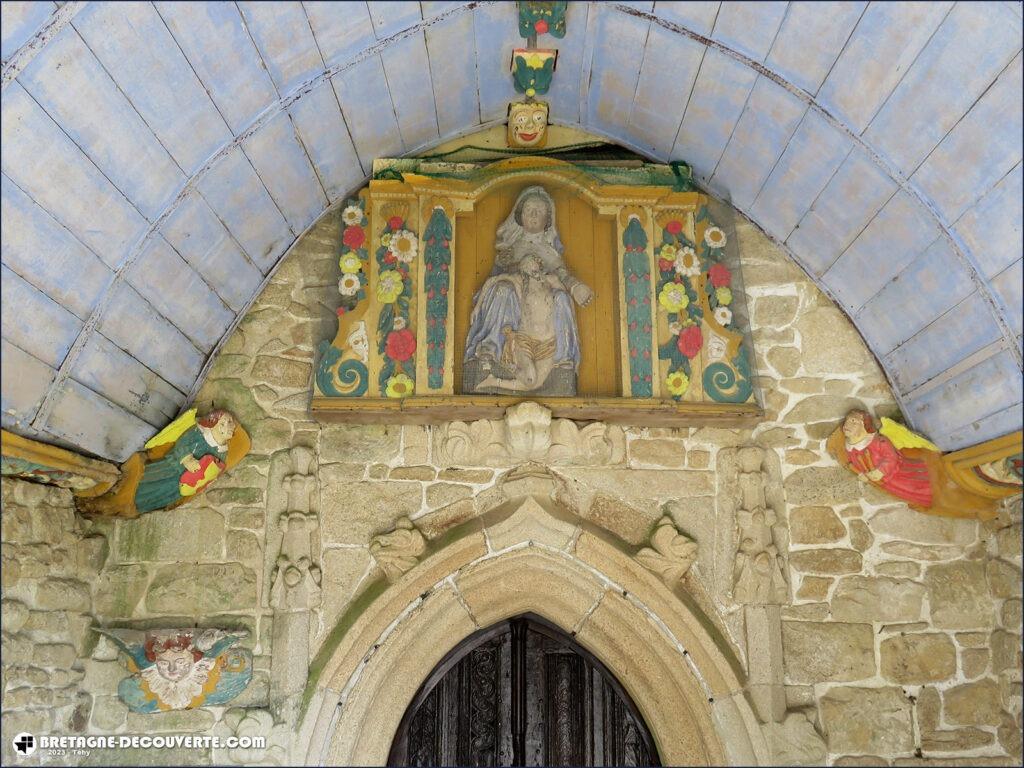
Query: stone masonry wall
x,y
901,643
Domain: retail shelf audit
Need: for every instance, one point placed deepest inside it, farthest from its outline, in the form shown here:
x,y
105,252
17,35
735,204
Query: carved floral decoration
x,y
342,370
528,433
671,553
396,340
637,274
539,18
437,261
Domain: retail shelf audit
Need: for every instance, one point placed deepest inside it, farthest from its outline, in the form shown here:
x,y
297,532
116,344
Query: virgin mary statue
x,y
522,334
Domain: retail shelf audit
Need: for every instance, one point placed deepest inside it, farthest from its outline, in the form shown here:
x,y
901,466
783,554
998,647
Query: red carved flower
x,y
541,26
400,345
720,275
665,265
353,237
674,227
690,341
395,222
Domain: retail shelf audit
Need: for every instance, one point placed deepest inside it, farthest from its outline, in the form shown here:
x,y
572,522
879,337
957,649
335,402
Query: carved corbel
x,y
399,550
671,553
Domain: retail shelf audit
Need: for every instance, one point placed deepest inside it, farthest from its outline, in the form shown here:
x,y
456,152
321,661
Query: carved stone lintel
x,y
398,551
528,433
671,553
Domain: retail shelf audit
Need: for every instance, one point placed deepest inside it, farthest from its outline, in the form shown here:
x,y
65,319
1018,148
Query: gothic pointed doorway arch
x,y
518,693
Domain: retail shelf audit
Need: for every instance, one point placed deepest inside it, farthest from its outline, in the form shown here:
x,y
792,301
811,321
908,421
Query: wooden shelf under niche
x,y
625,411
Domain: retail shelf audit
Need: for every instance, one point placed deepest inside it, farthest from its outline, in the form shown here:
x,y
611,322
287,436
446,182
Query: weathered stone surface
x,y
442,494
247,517
861,761
957,740
13,615
898,569
819,652
1008,541
921,551
1012,614
818,408
974,662
862,598
472,476
830,344
1004,579
959,596
825,486
860,535
658,453
632,524
108,713
173,535
203,588
359,443
434,523
775,311
1010,734
53,655
415,444
352,512
118,589
282,372
867,721
815,525
228,495
412,473
904,523
342,570
243,547
785,360
814,588
1006,651
806,612
801,456
973,704
62,595
183,720
918,658
698,459
641,483
826,561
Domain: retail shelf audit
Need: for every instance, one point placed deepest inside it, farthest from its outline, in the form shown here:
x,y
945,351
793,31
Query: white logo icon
x,y
24,744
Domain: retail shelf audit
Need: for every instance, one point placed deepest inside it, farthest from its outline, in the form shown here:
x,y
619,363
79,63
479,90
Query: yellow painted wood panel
x,y
589,242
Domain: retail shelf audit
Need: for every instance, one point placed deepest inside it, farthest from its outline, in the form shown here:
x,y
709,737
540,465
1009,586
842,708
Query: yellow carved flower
x,y
385,239
534,61
389,286
724,295
352,215
673,297
350,263
714,237
399,385
668,252
403,245
677,383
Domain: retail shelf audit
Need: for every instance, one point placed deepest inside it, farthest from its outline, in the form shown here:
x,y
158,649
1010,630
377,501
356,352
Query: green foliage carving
x,y
437,257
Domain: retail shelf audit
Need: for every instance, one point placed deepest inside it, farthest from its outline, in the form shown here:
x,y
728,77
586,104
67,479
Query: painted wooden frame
x,y
672,283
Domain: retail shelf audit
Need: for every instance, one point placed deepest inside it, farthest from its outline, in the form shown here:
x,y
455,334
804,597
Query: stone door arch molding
x,y
529,554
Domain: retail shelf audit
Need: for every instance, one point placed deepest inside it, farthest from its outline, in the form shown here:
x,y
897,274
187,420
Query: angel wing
x,y
901,437
174,430
130,642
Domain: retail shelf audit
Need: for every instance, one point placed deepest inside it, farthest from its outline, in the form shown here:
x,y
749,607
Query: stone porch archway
x,y
530,554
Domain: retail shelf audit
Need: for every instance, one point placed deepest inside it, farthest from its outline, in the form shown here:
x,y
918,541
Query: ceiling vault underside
x,y
160,159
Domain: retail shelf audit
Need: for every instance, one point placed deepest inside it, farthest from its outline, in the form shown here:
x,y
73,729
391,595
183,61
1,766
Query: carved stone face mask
x,y
528,125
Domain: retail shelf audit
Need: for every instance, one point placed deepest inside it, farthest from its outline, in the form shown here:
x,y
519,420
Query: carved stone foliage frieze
x,y
399,550
671,553
295,573
528,433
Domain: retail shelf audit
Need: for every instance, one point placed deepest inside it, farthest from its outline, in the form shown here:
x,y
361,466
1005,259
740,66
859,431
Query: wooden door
x,y
522,693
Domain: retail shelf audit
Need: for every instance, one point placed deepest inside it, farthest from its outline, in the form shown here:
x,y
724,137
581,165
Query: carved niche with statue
x,y
604,292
